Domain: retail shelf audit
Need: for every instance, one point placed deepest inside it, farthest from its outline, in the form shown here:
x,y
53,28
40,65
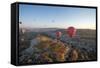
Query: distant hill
x,y
57,29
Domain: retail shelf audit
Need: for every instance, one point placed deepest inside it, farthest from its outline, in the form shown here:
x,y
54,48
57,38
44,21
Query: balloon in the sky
x,y
58,34
20,22
71,31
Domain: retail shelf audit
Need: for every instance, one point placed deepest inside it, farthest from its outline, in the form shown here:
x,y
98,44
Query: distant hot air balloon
x,y
20,22
71,31
58,34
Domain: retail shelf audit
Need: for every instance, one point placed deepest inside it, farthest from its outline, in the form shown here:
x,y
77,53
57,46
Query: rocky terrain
x,y
41,46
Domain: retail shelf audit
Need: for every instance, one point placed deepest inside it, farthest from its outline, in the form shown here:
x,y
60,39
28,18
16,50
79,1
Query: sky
x,y
36,16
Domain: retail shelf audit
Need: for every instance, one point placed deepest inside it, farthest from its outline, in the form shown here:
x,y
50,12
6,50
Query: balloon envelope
x,y
71,31
58,34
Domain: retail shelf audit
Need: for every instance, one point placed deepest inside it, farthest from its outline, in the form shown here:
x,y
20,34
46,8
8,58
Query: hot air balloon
x,y
71,31
20,22
58,34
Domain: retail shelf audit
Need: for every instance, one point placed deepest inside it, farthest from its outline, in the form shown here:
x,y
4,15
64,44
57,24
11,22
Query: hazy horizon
x,y
51,28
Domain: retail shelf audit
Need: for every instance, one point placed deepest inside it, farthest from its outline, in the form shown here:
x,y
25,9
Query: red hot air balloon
x,y
58,34
71,31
